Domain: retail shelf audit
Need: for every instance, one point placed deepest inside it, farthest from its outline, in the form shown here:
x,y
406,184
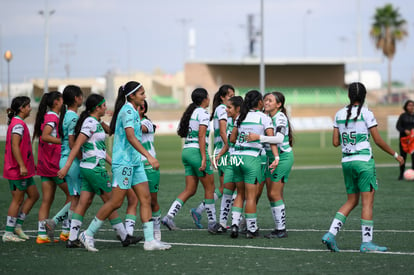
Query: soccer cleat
x,y
214,228
74,244
277,234
131,240
41,239
10,237
234,231
50,228
329,240
169,223
157,234
19,232
64,236
156,245
196,218
243,226
88,242
371,247
222,229
252,235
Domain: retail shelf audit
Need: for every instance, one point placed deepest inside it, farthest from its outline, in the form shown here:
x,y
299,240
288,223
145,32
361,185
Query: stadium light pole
x,y
8,56
308,12
128,49
46,14
262,63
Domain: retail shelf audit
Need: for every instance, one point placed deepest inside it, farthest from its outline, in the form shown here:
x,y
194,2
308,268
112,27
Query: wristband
x,y
277,157
395,155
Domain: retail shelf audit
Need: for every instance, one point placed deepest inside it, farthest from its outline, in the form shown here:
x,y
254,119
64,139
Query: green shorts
x,y
283,169
22,184
125,177
247,169
223,163
56,179
228,173
73,177
153,177
360,176
95,180
191,158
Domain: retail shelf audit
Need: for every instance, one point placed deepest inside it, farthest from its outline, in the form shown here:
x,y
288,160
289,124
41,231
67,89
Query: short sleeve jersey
x,y
280,120
68,127
123,153
255,122
48,155
148,138
355,136
219,114
199,117
94,149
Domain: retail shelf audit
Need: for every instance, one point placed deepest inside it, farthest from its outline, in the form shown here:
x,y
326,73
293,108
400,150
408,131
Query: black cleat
x,y
234,231
131,240
252,235
74,244
277,234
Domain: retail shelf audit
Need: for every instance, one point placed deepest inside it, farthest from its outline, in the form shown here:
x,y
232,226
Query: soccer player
x,y
48,156
274,105
127,167
247,166
90,139
19,169
194,126
153,175
220,120
353,125
72,100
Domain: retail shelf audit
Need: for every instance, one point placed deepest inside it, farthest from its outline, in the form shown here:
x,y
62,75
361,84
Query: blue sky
x,y
94,36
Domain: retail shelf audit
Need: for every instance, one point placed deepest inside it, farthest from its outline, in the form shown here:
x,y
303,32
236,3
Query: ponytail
x,y
47,100
251,101
197,96
217,100
91,103
69,94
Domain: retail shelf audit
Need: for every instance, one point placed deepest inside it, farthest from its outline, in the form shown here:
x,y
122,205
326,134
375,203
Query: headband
x,y
134,90
99,104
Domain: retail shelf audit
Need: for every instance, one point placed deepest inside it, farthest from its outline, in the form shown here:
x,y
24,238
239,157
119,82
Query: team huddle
x,y
252,149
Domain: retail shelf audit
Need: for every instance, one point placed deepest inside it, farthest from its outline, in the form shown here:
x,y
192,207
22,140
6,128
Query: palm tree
x,y
388,28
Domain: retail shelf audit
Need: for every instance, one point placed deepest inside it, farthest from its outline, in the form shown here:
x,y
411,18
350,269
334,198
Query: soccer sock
x,y
75,226
41,229
236,215
66,225
20,219
200,208
226,203
148,228
70,214
10,224
337,223
217,194
156,219
210,210
279,215
251,221
62,214
175,207
367,229
119,227
94,227
130,224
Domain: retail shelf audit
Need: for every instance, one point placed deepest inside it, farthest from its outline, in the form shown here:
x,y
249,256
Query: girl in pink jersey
x,y
46,129
19,169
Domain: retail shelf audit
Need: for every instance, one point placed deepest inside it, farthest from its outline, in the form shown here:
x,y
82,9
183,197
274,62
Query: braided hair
x,y
356,94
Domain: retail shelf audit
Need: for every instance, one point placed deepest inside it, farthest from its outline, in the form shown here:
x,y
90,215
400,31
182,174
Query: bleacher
x,y
307,95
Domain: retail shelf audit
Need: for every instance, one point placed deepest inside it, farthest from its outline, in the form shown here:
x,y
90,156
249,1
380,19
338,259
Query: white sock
x,y
75,227
226,203
175,208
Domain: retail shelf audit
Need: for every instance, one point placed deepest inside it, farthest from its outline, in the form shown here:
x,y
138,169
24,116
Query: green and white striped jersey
x,y
255,122
94,149
219,114
280,120
355,137
148,138
199,117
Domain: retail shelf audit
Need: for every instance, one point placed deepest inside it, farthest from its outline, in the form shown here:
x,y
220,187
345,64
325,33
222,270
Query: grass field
x,y
312,197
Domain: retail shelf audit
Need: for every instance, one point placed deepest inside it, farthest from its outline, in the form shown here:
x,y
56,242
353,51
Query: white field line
x,y
262,247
